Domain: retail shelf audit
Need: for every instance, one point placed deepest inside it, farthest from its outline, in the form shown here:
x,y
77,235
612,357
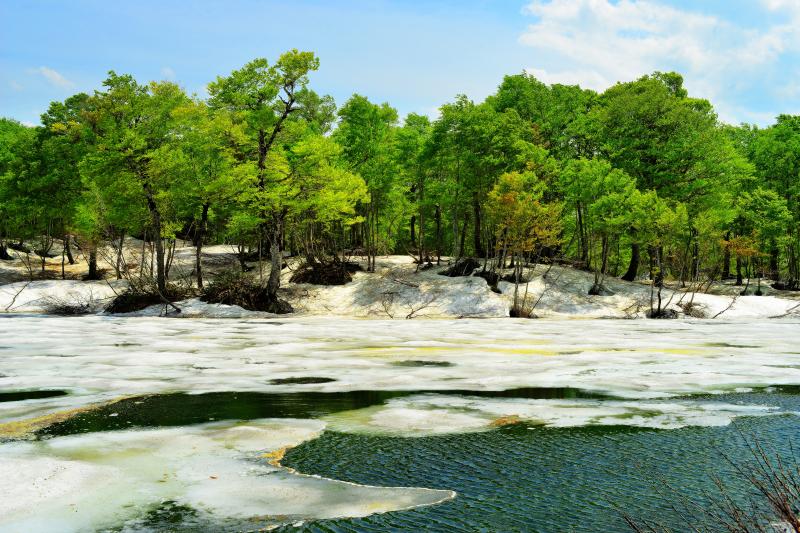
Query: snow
x,y
196,308
629,359
425,415
397,291
36,296
224,469
88,482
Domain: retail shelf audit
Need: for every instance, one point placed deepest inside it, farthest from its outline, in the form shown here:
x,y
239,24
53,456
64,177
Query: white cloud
x,y
596,43
54,77
167,73
15,85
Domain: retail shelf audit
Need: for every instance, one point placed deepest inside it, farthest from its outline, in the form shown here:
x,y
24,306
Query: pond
x,y
137,424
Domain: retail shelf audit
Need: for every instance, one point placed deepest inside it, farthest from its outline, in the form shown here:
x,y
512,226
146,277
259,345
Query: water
x,y
536,425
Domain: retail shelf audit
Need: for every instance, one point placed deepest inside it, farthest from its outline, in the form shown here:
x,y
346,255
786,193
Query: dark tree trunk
x,y
68,250
726,259
276,258
739,279
199,236
92,264
476,208
774,272
633,266
604,264
413,231
461,239
438,216
118,266
155,216
659,279
4,252
584,242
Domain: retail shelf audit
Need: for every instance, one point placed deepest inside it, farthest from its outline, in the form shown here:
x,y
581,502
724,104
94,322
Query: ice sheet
x,y
98,480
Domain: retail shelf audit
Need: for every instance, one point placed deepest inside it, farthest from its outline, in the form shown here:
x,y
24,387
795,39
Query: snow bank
x,y
196,308
37,296
397,291
559,292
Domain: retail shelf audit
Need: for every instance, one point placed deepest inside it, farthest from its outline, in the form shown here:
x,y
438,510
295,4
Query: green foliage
x,y
266,163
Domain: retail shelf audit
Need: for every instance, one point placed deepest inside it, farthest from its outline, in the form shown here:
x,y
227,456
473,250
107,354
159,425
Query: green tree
x,y
523,222
366,135
264,97
669,143
132,123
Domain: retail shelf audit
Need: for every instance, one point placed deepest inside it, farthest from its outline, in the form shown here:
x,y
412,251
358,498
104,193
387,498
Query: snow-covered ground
x,y
397,290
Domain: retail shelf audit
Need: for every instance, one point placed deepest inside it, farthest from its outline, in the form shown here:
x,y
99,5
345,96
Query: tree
x,y
15,139
410,141
775,152
200,160
523,223
762,218
263,97
132,123
606,204
669,143
366,136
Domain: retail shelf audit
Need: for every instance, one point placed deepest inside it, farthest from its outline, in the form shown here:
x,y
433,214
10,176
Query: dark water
x,y
540,479
516,478
180,409
19,395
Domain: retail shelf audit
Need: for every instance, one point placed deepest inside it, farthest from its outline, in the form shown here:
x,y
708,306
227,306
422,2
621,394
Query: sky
x,y
743,55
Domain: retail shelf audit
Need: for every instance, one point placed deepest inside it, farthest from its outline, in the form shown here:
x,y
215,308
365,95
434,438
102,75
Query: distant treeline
x,y
641,180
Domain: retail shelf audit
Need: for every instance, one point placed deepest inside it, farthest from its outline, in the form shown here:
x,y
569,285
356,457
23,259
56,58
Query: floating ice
x,y
98,358
99,480
425,415
102,479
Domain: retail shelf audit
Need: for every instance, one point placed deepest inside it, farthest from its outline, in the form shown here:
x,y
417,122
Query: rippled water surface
x,y
138,424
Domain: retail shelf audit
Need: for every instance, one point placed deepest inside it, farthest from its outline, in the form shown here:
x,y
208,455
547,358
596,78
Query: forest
x,y
641,181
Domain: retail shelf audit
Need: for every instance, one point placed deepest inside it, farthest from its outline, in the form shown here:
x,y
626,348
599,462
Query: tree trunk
x,y
726,259
659,278
4,252
633,266
155,215
584,242
604,255
92,263
476,208
276,259
68,250
199,235
695,266
438,216
461,238
413,231
774,272
739,279
118,265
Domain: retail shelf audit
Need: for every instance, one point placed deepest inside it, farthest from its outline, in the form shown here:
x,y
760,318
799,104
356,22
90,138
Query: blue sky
x,y
744,55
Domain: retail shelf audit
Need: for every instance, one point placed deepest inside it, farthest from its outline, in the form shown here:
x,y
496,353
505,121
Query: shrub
x,y
140,297
232,287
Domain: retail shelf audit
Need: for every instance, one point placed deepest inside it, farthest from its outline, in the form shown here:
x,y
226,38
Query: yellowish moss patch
x,y
276,456
506,421
27,428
